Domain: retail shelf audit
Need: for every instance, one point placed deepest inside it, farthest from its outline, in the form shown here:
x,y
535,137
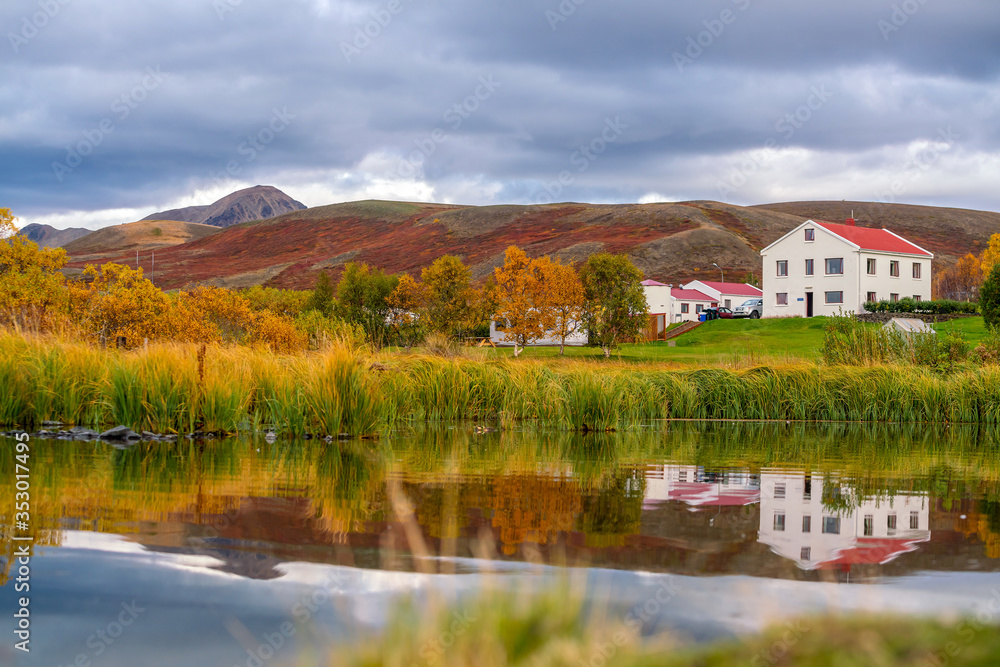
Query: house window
x,y
698,308
917,297
871,296
809,267
807,523
807,489
729,303
779,490
869,525
835,266
916,270
891,524
894,269
831,525
810,234
871,267
783,267
779,521
685,308
682,476
782,298
893,297
914,520
805,554
835,297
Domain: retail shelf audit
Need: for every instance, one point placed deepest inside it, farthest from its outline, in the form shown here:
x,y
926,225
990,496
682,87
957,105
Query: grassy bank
x,y
184,388
503,630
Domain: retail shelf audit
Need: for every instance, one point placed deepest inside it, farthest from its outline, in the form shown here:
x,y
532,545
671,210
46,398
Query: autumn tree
x,y
450,296
121,303
405,304
961,281
564,299
362,298
30,282
616,309
991,255
522,309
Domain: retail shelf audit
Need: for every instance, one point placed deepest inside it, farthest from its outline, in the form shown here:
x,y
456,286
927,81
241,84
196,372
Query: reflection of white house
x,y
728,295
796,525
698,488
821,268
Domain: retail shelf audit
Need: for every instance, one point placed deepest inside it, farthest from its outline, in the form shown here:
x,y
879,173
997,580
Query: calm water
x,y
225,552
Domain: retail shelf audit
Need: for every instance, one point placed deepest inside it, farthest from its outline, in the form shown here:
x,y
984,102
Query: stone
x,y
120,433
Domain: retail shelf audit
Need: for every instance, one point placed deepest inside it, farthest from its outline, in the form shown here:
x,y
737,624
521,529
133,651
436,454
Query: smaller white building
x,y
823,268
728,295
497,337
668,304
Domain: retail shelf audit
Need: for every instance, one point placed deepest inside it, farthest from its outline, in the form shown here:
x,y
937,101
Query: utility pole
x,y
723,275
152,265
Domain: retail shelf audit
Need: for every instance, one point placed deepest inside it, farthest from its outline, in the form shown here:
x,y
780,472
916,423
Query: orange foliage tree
x,y
118,303
960,282
405,303
564,298
522,309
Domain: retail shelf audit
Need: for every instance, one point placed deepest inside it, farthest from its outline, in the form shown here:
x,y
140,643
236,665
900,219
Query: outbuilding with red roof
x,y
823,268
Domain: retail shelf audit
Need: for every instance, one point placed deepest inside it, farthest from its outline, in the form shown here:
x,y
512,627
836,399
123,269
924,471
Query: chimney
x,y
849,222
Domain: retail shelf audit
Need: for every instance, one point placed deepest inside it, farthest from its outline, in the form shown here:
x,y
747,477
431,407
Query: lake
x,y
245,551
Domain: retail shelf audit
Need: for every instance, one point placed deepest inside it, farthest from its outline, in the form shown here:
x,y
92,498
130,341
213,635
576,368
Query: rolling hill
x,y
257,203
123,241
671,242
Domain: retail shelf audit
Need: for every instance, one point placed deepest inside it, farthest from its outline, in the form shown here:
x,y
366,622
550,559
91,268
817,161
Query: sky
x,y
110,111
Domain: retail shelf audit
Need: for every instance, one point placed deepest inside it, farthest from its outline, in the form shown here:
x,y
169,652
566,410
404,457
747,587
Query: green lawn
x,y
721,341
714,342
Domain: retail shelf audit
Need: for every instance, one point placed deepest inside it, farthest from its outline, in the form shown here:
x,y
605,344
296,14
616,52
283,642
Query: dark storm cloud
x,y
510,94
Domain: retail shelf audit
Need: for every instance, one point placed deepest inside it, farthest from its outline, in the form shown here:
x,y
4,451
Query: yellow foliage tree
x,y
991,255
522,308
30,282
122,307
449,295
960,282
564,298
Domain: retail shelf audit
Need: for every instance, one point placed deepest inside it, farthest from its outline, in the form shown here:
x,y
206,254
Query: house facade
x,y
728,295
668,304
823,268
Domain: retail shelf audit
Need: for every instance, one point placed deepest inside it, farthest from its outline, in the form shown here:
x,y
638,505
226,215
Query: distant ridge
x,y
47,236
260,202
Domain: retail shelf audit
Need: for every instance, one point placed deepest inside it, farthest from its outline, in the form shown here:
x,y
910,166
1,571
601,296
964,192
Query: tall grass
x,y
343,390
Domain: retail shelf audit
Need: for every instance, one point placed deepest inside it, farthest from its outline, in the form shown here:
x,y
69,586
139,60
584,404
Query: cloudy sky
x,y
112,110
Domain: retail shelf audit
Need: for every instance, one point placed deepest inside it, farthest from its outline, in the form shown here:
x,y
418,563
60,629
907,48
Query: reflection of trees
x,y
533,508
615,510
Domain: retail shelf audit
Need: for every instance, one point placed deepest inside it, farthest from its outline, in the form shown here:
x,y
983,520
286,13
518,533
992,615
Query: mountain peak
x,y
257,203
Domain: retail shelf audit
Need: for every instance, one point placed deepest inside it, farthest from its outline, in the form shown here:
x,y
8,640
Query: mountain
x,y
257,203
670,242
47,236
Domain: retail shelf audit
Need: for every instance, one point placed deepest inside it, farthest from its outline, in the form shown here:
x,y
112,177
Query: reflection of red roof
x,y
873,239
652,283
739,289
690,295
708,494
872,550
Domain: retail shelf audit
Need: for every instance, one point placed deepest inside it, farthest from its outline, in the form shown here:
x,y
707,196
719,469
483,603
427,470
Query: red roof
x,y
739,289
873,239
871,551
690,295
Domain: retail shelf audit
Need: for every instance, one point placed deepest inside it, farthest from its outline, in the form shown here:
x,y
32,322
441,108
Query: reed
x,y
181,387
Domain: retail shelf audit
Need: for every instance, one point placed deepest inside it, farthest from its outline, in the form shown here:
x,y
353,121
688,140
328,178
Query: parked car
x,y
725,313
752,308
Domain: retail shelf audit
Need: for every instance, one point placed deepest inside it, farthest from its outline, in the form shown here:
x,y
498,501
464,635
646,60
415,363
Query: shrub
x,y
935,307
989,298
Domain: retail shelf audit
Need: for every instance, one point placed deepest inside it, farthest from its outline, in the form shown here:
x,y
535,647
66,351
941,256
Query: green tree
x,y
989,299
322,295
450,297
362,298
616,308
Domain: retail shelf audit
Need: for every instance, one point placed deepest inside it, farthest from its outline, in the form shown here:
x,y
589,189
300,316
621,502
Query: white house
x,y
698,488
668,304
822,268
577,338
728,295
795,522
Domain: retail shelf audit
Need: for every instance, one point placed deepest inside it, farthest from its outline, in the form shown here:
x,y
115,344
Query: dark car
x,y
725,313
